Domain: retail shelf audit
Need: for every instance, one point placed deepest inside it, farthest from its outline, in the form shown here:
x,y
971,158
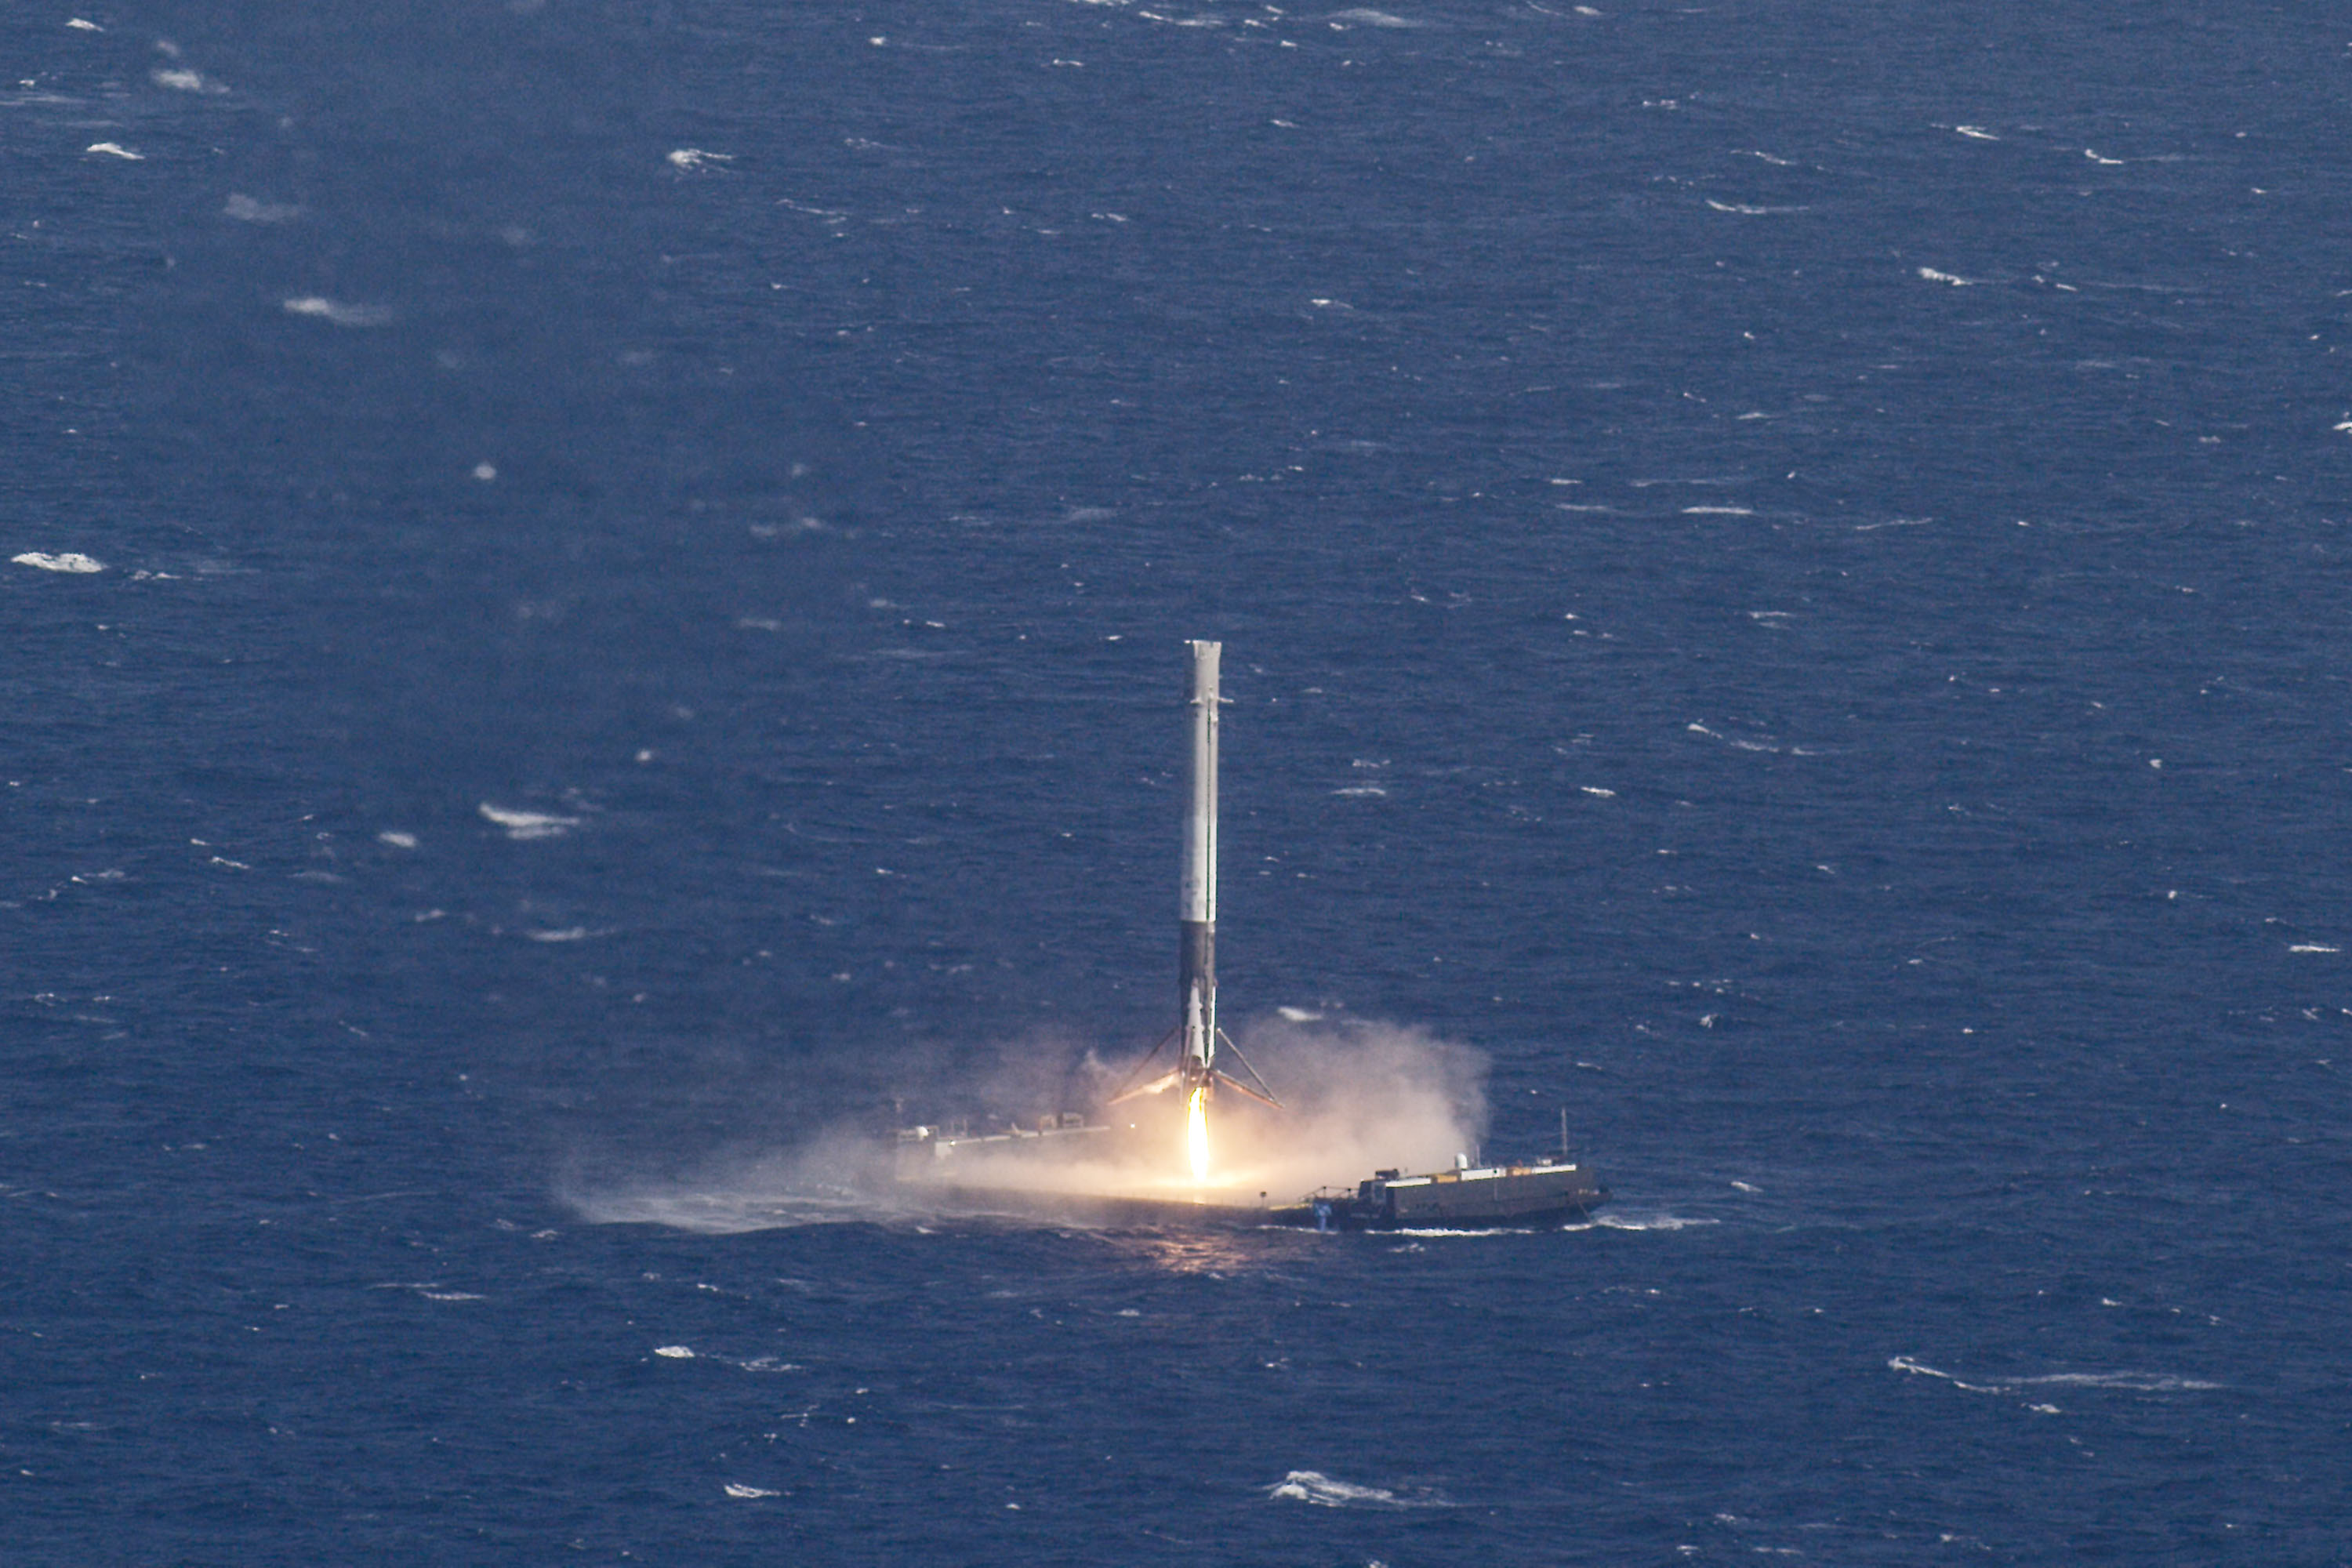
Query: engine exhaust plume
x,y
1196,1134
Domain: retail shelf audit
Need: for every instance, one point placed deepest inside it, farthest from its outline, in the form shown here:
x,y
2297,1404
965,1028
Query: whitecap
x,y
1668,1222
1976,132
1719,512
251,209
674,1353
1362,790
528,825
1482,1234
1371,18
1597,790
2134,1381
336,312
830,215
449,1295
180,80
1300,1014
743,1491
1932,276
2138,1381
115,150
397,839
69,562
2298,947
1915,1368
1316,1488
693,157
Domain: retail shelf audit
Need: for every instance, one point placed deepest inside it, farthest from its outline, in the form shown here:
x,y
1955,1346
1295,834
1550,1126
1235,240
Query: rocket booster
x,y
1196,967
1196,1071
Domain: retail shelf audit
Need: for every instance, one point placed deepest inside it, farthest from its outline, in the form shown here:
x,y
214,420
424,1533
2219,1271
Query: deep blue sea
x,y
598,588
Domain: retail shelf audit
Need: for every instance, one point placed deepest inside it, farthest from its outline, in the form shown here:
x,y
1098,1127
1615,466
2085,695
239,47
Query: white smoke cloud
x,y
1358,1096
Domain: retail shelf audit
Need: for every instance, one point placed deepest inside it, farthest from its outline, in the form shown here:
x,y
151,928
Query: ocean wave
x,y
250,209
1490,1230
1319,1490
2140,1381
729,1214
528,825
179,79
2134,1381
70,562
336,312
1668,1222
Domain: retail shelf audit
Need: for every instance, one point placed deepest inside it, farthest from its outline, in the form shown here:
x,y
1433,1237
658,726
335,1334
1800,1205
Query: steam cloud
x,y
1359,1095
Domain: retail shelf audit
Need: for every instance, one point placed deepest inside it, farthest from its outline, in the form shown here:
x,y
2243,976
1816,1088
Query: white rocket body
x,y
1197,962
1196,1070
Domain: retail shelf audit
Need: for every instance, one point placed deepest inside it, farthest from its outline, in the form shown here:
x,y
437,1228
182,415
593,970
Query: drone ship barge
x,y
1465,1198
1014,1169
1548,1191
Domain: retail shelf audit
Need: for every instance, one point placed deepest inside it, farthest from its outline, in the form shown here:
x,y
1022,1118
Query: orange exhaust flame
x,y
1196,1132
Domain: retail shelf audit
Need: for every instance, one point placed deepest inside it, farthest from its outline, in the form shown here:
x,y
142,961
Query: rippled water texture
x,y
594,598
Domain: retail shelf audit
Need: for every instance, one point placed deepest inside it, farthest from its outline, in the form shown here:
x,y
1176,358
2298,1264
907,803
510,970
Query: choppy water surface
x,y
597,590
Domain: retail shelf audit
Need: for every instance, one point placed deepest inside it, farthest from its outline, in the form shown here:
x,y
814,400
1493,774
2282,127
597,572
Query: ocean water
x,y
1781,576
